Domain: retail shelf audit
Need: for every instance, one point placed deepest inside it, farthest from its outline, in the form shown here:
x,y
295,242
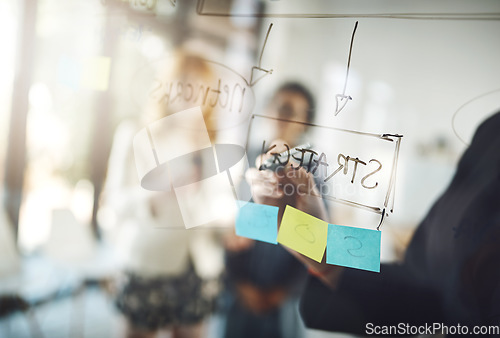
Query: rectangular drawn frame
x,y
389,195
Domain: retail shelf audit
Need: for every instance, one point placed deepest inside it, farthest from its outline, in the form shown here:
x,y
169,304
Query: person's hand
x,y
300,188
267,185
288,185
307,198
260,301
294,186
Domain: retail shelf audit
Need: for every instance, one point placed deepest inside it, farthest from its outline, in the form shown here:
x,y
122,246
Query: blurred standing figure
x,y
264,280
167,283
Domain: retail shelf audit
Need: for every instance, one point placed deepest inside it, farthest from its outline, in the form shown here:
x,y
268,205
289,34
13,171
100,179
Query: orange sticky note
x,y
303,233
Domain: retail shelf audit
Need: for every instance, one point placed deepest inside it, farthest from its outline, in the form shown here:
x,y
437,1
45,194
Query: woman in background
x,y
264,280
166,283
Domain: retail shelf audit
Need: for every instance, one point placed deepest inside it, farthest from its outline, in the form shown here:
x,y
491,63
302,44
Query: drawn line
x,y
376,210
384,137
349,58
392,183
456,16
264,46
270,71
381,220
408,16
461,107
343,96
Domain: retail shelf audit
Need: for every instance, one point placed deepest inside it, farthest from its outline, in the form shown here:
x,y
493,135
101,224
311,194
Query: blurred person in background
x,y
166,285
264,280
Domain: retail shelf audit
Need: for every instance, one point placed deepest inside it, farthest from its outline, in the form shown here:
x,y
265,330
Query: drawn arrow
x,y
342,97
256,69
339,98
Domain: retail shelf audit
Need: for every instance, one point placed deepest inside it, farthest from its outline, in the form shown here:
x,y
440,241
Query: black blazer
x,y
451,271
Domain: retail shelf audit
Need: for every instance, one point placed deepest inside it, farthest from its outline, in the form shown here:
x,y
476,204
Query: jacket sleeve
x,y
482,277
365,299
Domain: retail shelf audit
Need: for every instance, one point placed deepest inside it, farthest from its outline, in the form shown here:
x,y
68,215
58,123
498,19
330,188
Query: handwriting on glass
x,y
312,161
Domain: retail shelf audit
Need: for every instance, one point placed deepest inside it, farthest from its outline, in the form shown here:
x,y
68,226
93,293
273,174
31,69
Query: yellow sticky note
x,y
95,74
303,233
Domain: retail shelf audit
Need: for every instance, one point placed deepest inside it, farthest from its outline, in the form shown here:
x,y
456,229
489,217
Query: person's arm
x,y
481,276
342,299
493,316
363,302
267,188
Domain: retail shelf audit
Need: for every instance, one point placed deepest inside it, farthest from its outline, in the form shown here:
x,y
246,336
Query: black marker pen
x,y
273,162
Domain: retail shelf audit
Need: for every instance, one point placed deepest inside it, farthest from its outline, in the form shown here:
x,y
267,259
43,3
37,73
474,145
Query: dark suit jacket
x,y
451,270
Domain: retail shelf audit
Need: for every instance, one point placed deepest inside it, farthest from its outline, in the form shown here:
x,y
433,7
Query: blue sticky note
x,y
257,221
353,247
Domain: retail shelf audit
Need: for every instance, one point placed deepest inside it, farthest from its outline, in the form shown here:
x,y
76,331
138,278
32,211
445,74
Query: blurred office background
x,y
71,72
